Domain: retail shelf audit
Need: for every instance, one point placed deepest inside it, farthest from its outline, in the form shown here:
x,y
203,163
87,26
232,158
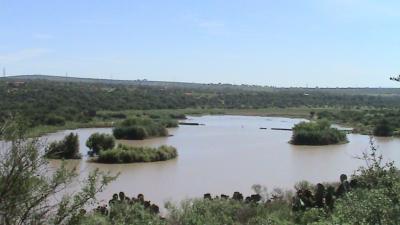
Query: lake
x,y
227,154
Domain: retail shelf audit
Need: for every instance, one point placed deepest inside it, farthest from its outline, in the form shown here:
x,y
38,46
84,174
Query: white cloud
x,y
22,55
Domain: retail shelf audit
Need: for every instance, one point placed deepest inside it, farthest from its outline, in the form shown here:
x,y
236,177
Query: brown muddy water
x,y
227,154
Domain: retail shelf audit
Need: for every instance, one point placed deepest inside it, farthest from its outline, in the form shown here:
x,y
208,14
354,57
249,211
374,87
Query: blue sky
x,y
280,43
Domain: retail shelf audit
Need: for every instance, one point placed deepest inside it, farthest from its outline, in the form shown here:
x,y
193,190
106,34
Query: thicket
x,y
383,128
367,121
317,133
131,154
139,128
99,142
68,148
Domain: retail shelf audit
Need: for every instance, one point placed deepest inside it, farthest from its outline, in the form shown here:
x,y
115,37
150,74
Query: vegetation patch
x,y
131,154
317,133
139,128
68,148
383,129
98,142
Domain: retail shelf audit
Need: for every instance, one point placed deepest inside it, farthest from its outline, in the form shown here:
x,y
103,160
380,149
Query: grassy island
x,y
317,133
131,154
139,128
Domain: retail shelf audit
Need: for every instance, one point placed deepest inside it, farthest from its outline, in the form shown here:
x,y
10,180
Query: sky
x,y
324,43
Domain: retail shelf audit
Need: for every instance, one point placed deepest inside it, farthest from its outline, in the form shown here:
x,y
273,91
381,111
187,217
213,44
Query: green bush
x,y
100,142
169,123
228,212
383,129
129,154
122,213
140,128
317,133
68,148
54,120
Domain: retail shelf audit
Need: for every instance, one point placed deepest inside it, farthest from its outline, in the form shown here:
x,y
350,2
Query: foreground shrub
x,y
140,128
68,148
124,210
130,154
30,193
317,133
99,142
223,211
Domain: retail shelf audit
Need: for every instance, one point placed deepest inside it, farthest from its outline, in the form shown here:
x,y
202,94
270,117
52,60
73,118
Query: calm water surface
x,y
229,153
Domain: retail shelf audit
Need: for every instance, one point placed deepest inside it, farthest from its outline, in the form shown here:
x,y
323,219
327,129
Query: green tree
x,y
28,188
383,129
68,148
99,142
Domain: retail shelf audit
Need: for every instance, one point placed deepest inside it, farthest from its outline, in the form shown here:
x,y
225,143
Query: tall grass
x,y
138,128
130,154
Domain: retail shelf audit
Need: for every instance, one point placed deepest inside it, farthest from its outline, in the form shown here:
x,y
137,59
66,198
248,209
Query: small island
x,y
317,133
103,150
139,128
131,154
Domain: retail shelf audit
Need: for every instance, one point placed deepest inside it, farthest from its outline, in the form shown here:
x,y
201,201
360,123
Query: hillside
x,y
168,84
47,100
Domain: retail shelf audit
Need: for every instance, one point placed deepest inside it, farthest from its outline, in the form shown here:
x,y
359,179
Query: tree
x,y
28,187
98,142
383,129
68,148
376,198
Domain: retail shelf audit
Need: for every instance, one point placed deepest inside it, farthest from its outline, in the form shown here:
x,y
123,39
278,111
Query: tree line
x,y
44,102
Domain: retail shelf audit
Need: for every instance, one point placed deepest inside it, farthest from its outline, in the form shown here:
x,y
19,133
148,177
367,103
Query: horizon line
x,y
198,83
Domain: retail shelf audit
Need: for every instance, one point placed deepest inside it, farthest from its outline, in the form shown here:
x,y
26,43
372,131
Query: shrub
x,y
129,154
317,133
123,213
383,129
54,120
31,192
140,128
169,123
99,142
130,133
68,148
228,212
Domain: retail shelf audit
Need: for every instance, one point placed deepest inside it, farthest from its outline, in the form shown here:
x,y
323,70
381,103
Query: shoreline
x,y
294,113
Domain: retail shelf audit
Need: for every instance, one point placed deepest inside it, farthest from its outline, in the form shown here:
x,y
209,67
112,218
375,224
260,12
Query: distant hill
x,y
51,100
214,87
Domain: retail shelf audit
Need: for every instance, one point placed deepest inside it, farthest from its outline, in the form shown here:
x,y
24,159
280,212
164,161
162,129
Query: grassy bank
x,y
43,129
110,118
